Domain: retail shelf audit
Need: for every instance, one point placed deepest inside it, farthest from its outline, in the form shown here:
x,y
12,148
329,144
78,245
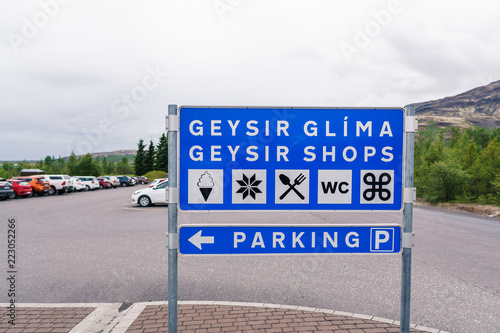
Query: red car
x,y
104,183
21,189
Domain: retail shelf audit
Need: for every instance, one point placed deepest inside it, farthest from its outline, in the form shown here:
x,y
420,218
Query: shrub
x,y
445,181
151,175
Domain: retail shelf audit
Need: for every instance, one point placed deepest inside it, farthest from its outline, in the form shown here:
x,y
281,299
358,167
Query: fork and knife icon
x,y
297,181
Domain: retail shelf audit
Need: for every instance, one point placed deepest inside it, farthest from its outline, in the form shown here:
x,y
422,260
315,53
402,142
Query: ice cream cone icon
x,y
206,185
205,191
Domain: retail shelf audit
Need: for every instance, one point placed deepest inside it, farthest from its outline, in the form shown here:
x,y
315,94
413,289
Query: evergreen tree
x,y
465,167
111,168
39,165
150,158
140,159
123,167
490,162
72,164
482,136
104,165
60,166
47,165
87,166
161,162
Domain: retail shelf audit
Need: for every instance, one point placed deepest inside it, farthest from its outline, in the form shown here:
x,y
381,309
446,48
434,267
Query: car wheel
x,y
52,190
124,184
101,187
13,195
144,201
87,188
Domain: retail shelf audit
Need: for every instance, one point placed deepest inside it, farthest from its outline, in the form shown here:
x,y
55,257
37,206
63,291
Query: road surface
x,y
98,247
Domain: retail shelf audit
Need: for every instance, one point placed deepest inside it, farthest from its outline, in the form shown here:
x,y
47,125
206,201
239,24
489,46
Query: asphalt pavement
x,y
96,247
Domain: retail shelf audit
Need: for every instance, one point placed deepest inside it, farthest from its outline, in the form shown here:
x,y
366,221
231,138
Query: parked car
x,y
151,195
125,181
133,180
5,190
142,180
90,182
39,185
157,181
21,189
115,182
104,183
69,183
58,183
78,184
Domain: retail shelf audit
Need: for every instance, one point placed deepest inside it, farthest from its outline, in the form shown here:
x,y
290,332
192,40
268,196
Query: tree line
x,y
452,164
456,164
156,158
74,165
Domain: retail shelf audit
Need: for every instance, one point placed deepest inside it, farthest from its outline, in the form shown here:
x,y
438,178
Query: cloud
x,y
62,84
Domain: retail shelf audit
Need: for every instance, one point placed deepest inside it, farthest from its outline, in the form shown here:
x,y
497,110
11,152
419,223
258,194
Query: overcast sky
x,y
95,76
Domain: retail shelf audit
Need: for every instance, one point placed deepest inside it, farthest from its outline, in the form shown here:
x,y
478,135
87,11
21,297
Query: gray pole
x,y
407,229
172,224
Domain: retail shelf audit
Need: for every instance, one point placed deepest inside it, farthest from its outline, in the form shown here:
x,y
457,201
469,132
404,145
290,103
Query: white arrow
x,y
197,239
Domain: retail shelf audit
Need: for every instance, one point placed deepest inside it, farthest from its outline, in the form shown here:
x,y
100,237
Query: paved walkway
x,y
193,316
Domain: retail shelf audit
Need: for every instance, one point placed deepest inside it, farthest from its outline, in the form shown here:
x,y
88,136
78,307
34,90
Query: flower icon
x,y
249,186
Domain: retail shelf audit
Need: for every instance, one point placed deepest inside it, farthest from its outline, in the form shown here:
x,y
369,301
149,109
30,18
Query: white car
x,y
151,195
90,182
157,181
78,184
58,183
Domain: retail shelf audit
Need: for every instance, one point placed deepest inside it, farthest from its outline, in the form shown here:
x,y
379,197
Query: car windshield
x,y
162,185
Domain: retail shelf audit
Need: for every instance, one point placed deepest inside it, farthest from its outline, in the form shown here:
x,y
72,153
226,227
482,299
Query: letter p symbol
x,y
382,240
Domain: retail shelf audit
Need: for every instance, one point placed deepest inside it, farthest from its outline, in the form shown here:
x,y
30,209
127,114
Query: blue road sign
x,y
297,239
290,159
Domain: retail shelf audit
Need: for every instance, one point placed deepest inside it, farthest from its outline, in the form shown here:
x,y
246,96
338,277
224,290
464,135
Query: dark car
x,y
21,189
125,181
5,190
104,183
142,180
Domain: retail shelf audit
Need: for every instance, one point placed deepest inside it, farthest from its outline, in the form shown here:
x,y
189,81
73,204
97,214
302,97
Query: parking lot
x,y
97,246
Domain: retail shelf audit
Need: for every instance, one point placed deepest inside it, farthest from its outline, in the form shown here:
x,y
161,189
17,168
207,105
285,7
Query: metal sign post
x,y
290,159
172,239
407,222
